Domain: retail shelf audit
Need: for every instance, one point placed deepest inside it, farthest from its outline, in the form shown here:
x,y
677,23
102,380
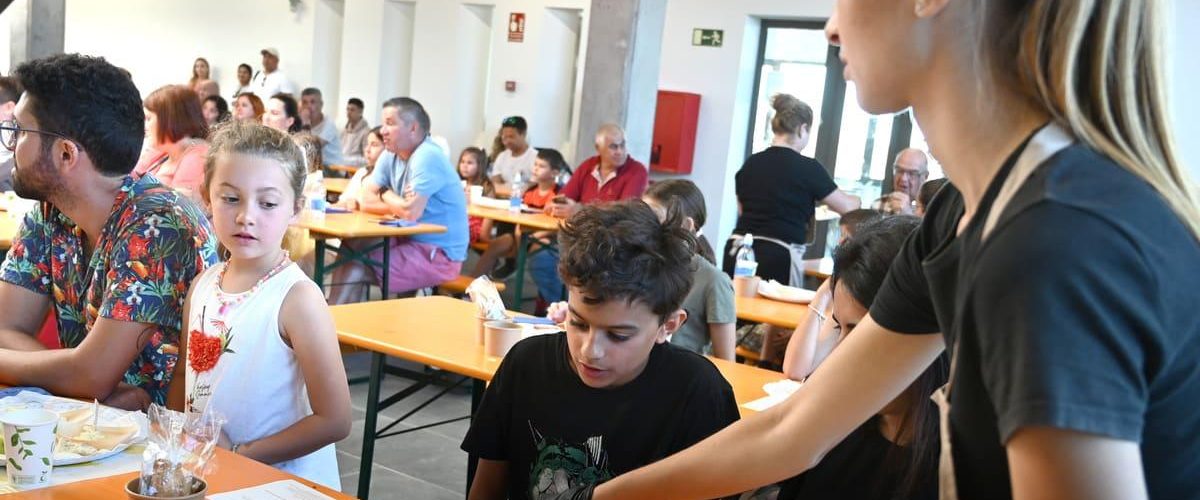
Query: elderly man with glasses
x,y
111,254
909,172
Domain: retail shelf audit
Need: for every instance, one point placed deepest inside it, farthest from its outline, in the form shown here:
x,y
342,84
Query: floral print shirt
x,y
154,243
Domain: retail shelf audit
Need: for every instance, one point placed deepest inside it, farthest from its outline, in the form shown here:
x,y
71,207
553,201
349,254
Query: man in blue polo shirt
x,y
413,180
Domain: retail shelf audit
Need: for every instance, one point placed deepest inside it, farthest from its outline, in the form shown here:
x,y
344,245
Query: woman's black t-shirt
x,y
778,189
1079,311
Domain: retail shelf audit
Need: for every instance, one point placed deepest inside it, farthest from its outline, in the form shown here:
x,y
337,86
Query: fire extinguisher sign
x,y
516,27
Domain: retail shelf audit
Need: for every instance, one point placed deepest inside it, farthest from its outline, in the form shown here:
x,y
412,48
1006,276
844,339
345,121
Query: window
x,y
857,148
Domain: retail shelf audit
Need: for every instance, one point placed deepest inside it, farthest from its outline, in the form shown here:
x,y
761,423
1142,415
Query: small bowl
x,y
133,489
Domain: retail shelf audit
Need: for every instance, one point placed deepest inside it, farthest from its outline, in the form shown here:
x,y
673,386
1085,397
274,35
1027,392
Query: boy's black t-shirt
x,y
555,432
1078,312
778,190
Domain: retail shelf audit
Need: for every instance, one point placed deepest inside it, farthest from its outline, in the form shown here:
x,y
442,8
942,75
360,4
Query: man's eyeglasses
x,y
10,132
898,171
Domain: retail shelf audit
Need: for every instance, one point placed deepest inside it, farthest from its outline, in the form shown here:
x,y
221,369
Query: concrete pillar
x,y
620,76
37,29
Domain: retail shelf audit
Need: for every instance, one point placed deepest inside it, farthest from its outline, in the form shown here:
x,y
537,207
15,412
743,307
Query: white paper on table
x,y
289,489
777,392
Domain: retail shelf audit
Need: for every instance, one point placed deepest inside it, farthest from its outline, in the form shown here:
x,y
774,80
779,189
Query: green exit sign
x,y
707,38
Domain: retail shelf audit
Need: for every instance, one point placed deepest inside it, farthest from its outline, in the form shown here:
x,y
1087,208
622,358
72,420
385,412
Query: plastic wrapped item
x,y
483,293
179,450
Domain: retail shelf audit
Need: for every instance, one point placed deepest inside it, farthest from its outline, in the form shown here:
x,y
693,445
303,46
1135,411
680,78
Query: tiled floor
x,y
424,464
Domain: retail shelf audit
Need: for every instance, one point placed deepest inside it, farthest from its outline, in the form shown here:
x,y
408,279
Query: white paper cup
x,y
29,445
746,286
499,337
476,193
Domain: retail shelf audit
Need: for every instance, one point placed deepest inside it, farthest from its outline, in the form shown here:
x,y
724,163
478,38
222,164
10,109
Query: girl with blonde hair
x,y
1057,269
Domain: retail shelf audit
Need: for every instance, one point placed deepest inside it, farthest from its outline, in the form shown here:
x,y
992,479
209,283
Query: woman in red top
x,y
175,132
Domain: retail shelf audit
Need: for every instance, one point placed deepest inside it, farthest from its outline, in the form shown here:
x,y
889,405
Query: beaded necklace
x,y
224,298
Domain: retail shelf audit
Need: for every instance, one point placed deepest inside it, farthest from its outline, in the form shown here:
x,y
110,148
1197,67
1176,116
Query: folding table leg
x,y
367,459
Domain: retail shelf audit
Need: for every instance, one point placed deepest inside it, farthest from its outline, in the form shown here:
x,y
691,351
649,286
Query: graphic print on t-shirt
x,y
560,465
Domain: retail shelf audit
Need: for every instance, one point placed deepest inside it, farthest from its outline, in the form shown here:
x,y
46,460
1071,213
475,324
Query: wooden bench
x,y
748,356
460,284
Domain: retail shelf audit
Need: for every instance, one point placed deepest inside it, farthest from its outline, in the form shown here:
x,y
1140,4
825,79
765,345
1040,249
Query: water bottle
x,y
314,196
517,195
746,266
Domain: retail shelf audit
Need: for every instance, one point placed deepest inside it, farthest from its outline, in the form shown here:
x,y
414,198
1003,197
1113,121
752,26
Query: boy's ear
x,y
674,320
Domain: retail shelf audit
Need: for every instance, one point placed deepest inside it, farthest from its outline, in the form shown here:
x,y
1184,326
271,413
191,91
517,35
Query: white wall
x,y
724,78
459,63
157,40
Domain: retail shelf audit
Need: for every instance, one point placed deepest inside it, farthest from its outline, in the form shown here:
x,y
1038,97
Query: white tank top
x,y
255,381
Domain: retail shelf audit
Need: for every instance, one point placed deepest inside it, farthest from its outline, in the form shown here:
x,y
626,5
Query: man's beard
x,y
37,181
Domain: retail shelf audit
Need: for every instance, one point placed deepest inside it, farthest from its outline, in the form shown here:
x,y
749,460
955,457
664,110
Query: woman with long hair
x,y
175,132
215,110
1057,268
200,73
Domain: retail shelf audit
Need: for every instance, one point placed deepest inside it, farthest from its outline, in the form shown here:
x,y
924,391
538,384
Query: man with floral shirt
x,y
112,254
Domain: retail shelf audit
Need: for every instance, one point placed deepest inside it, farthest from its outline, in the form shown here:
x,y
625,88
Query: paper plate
x,y
775,291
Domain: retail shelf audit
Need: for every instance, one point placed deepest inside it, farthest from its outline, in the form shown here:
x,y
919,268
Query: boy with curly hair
x,y
610,393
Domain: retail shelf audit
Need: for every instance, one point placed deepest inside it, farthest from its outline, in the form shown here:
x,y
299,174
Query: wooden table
x,y
335,185
233,472
348,169
772,312
357,225
819,268
441,332
538,222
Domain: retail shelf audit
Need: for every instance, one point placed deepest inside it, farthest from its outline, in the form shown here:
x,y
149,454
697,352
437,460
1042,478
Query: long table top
x,y
441,331
536,221
772,312
335,184
360,225
234,472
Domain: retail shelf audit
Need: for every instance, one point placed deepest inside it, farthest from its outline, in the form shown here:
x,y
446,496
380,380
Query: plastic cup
x,y
29,445
499,337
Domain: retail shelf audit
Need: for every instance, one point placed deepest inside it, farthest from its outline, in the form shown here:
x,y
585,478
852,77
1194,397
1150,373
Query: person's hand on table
x,y
128,397
557,312
348,204
562,207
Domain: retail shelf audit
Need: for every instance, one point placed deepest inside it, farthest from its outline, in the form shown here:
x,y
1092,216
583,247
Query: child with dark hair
x,y
854,218
709,304
892,455
928,190
543,186
610,394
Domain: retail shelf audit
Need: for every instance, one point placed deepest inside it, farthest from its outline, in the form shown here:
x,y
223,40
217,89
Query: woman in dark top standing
x,y
1058,268
777,192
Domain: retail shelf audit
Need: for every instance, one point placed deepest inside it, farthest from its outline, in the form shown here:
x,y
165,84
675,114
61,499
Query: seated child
x,y
261,348
814,338
548,168
928,190
610,394
351,198
894,454
473,170
709,304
